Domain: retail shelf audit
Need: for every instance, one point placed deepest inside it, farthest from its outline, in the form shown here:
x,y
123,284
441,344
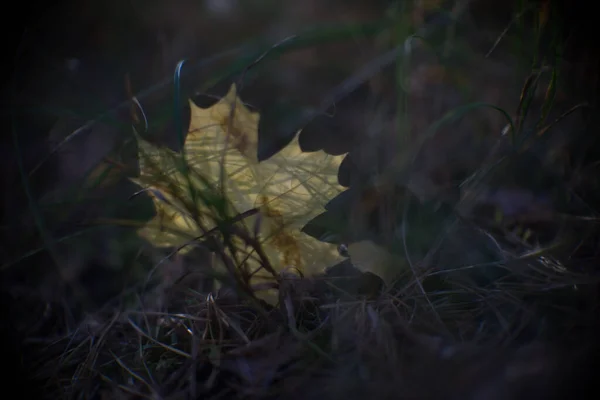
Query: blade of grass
x,y
311,37
157,342
40,249
47,239
398,168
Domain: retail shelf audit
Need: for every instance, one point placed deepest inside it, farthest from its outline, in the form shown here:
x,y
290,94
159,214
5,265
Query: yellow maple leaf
x,y
288,189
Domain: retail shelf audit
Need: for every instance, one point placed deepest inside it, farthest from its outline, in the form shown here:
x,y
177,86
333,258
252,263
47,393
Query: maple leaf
x,y
287,190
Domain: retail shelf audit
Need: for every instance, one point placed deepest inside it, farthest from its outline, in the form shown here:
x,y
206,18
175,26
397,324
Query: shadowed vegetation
x,y
396,203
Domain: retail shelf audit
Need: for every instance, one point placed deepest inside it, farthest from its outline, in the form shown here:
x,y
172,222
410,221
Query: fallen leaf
x,y
288,189
367,256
